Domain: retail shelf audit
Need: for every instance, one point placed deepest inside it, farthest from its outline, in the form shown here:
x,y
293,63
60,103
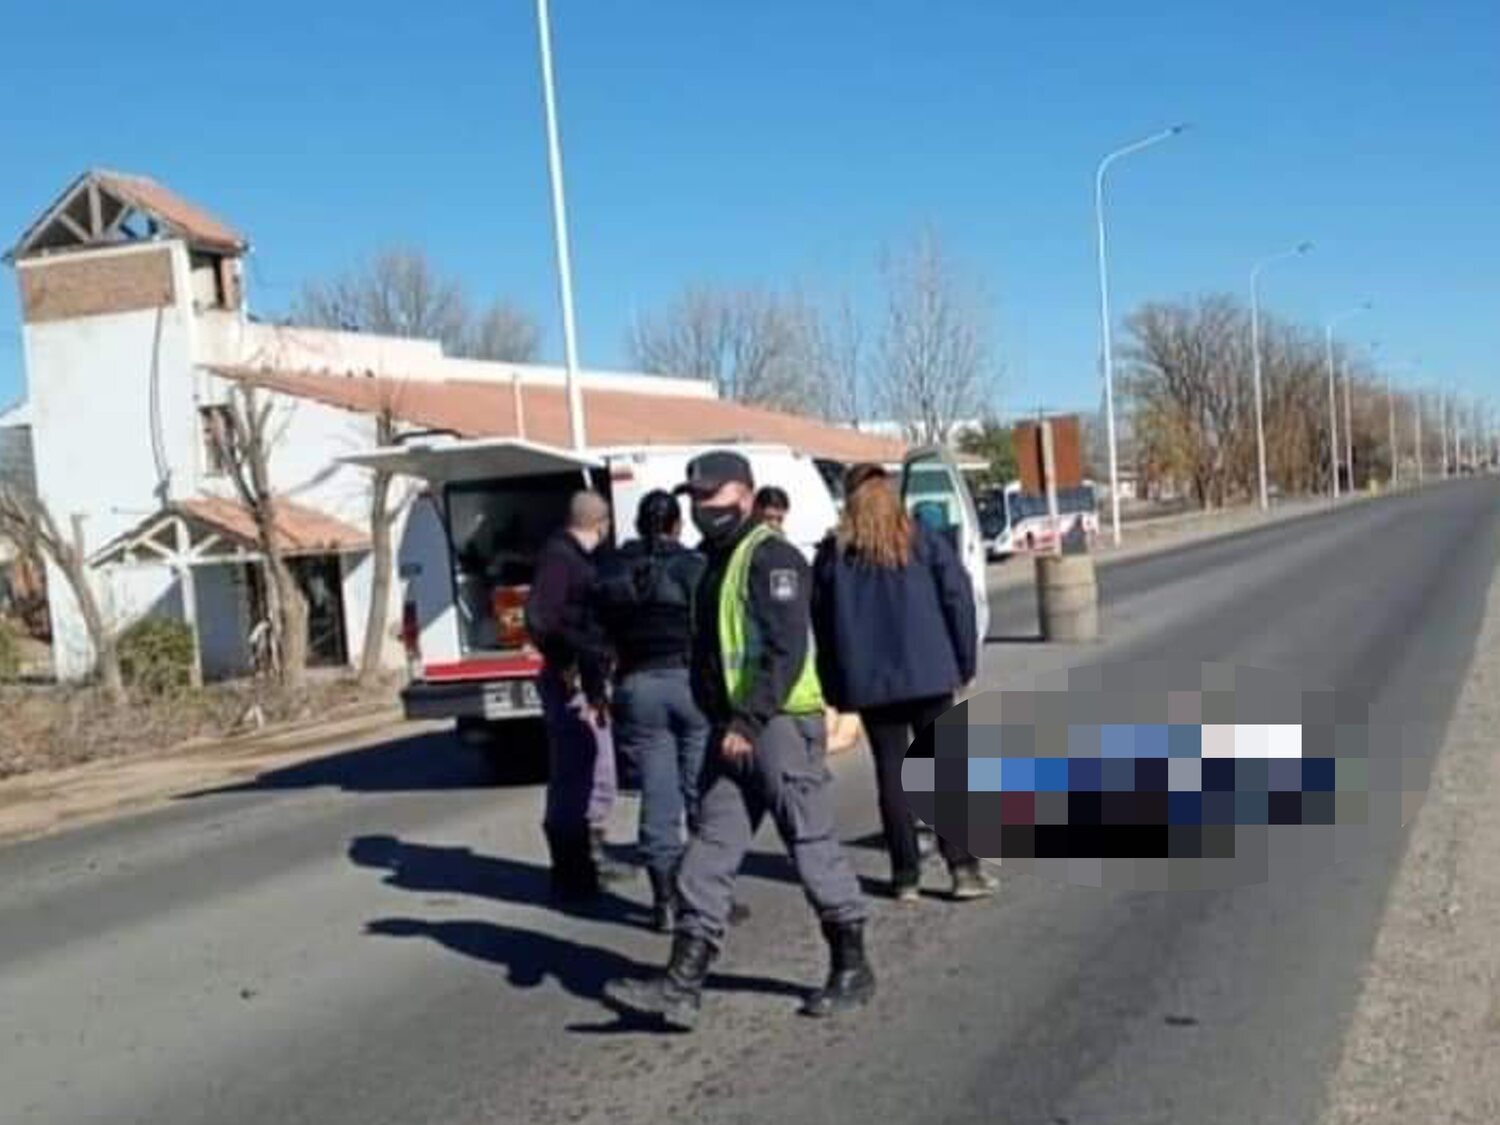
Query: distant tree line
x,y
1189,397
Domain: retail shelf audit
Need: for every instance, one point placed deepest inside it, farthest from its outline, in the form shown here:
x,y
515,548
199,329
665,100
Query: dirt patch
x,y
1424,1041
52,728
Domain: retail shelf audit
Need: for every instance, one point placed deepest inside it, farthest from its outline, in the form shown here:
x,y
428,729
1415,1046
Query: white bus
x,y
1014,521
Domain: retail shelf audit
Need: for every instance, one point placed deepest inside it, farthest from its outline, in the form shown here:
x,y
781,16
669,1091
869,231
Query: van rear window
x,y
496,529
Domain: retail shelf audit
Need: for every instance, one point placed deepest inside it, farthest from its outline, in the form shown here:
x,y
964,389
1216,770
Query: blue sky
x,y
786,143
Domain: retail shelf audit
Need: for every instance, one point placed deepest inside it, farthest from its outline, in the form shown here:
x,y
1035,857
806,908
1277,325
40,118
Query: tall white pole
x,y
1349,423
1443,427
560,232
1260,421
1390,407
1105,328
1416,432
1333,416
1458,438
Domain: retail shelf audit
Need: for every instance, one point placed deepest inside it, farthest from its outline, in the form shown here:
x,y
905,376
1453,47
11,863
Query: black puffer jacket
x,y
645,595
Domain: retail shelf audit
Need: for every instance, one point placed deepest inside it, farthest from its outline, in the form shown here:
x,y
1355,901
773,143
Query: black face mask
x,y
717,522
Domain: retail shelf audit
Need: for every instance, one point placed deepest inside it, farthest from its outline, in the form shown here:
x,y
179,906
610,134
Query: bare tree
x,y
399,293
503,332
755,345
1186,384
244,442
1190,388
934,362
840,359
384,512
27,522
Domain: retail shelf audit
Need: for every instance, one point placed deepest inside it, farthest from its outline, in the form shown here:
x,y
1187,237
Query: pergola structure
x,y
211,531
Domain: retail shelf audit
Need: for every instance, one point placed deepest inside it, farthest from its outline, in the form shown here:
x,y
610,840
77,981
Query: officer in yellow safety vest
x,y
755,678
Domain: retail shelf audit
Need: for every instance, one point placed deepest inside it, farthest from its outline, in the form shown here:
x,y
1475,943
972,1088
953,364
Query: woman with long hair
x,y
893,613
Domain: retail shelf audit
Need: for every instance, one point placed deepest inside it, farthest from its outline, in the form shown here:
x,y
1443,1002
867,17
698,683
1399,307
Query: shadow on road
x,y
531,958
438,870
422,762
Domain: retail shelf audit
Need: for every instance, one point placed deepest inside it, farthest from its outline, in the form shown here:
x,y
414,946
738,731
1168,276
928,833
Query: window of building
x,y
220,438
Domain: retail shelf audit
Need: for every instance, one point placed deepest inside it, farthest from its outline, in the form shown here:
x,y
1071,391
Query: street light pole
x,y
1443,427
1458,439
1260,420
1390,408
1104,318
1333,409
1416,430
560,231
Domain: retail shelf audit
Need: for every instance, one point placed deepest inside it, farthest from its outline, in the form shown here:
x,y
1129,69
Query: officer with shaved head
x,y
561,619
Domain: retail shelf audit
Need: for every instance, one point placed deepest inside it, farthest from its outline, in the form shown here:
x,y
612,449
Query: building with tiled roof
x,y
135,332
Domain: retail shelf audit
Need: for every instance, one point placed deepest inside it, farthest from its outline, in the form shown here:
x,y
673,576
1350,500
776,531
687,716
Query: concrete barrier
x,y
1067,598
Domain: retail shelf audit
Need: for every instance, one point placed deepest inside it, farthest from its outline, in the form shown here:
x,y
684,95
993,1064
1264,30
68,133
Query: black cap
x,y
711,471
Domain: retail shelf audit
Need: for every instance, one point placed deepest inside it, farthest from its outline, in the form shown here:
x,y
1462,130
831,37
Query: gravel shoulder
x,y
1425,1037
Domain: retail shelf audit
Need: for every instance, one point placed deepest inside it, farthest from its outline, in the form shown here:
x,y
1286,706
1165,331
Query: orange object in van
x,y
509,606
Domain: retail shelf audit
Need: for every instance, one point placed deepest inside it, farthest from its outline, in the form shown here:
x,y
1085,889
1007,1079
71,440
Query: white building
x,y
134,329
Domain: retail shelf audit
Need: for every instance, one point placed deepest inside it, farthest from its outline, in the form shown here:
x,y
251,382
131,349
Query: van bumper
x,y
485,700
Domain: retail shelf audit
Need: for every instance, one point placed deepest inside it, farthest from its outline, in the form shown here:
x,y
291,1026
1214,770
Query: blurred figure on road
x,y
563,623
755,678
645,597
894,620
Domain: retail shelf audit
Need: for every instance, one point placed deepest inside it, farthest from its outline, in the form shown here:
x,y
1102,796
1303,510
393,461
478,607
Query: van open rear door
x,y
450,460
934,490
465,565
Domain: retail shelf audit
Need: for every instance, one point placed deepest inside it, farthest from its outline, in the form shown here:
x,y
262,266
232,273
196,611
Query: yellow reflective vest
x,y
739,639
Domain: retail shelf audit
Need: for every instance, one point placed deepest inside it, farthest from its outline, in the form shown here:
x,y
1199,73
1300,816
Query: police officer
x,y
645,597
562,622
755,679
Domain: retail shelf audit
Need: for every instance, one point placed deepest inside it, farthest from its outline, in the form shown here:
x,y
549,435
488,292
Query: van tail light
x,y
411,633
508,603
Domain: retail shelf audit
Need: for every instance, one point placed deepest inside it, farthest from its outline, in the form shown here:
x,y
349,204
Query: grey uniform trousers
x,y
787,777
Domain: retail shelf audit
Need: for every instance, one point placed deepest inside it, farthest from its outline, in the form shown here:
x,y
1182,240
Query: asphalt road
x,y
366,938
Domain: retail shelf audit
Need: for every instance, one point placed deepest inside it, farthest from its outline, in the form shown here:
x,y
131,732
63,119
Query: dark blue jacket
x,y
887,635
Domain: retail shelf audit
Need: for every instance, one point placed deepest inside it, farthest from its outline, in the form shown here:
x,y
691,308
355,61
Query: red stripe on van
x,y
520,666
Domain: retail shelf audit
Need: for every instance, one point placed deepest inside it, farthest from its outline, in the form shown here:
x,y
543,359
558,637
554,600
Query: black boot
x,y
663,891
851,983
607,870
675,995
574,877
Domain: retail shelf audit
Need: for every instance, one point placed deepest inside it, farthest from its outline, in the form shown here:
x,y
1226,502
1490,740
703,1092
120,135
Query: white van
x,y
467,555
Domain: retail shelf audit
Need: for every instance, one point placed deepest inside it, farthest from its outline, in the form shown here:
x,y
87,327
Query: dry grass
x,y
45,728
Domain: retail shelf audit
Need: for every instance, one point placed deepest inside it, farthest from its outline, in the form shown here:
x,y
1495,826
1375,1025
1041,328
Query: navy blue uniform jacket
x,y
890,634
